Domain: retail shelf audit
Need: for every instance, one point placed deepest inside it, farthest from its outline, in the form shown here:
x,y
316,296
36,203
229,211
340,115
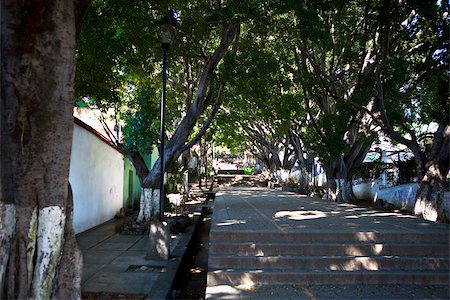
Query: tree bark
x,y
337,181
149,204
430,196
68,279
340,171
139,164
412,143
37,67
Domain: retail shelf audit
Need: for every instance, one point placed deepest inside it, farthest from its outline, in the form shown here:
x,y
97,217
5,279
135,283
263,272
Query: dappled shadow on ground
x,y
387,291
299,215
273,233
241,181
231,222
306,212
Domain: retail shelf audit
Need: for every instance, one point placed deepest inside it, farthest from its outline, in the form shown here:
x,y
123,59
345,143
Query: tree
x,y
194,85
257,104
180,142
412,91
325,56
292,77
38,254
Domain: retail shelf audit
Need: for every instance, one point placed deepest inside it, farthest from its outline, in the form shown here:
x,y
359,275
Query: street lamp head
x,y
168,23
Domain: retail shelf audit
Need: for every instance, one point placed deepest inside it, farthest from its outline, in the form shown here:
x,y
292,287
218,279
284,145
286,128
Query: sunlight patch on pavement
x,y
377,248
231,222
366,236
358,263
221,290
299,215
247,287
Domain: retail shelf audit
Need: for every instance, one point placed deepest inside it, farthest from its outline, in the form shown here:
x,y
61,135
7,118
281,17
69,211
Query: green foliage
x,y
308,67
141,128
369,170
331,143
406,169
228,133
329,40
112,48
416,89
116,59
119,60
250,170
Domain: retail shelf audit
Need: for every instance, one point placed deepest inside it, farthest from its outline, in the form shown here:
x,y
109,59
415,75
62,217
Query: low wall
x,y
401,196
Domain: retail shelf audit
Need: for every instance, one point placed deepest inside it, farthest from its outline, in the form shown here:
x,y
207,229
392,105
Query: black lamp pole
x,y
167,36
163,131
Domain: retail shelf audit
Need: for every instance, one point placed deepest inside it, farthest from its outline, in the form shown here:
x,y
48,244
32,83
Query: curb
x,y
163,285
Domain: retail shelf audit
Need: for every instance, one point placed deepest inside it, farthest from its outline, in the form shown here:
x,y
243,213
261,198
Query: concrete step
x,y
355,249
330,263
255,277
327,236
324,257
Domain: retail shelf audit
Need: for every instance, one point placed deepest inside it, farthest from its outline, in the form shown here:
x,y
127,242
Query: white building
x,y
96,176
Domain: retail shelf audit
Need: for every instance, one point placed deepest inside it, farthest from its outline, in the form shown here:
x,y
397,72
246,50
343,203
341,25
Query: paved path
x,y
248,211
115,264
261,209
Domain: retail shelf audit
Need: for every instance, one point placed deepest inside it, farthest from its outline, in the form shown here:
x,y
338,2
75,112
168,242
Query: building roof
x,y
98,134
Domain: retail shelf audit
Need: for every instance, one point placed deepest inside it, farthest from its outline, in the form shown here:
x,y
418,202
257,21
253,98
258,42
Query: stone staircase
x,y
324,257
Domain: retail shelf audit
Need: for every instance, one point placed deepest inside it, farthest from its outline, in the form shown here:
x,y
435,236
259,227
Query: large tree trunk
x,y
149,207
149,200
305,165
37,67
68,279
430,196
340,171
338,183
139,164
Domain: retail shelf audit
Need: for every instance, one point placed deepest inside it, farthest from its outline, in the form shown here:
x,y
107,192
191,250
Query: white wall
x,y
401,196
96,176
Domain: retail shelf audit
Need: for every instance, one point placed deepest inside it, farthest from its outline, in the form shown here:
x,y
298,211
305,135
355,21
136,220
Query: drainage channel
x,y
190,280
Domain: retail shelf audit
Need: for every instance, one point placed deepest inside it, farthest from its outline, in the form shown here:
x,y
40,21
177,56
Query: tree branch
x,y
108,130
207,122
81,6
177,143
139,164
387,127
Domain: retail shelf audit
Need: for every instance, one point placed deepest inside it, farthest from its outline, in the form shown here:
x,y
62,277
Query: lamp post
x,y
167,37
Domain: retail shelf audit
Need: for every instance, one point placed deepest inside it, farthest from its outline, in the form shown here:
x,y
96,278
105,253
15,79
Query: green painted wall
x,y
131,184
153,157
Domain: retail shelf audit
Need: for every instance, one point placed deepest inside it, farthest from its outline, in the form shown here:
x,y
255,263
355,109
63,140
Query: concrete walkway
x,y
261,238
262,209
114,264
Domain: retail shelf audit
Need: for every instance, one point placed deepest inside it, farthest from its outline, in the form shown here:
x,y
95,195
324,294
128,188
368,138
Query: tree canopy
x,y
325,77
